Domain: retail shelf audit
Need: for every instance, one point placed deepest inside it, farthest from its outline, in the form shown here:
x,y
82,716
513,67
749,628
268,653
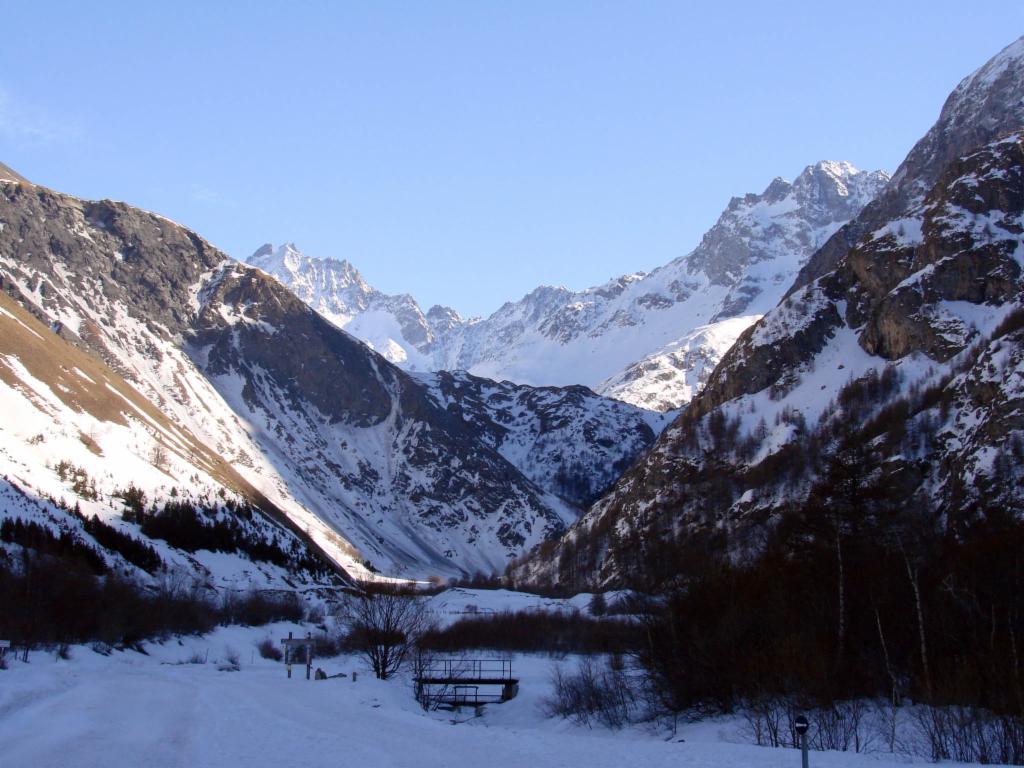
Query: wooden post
x,y
293,647
309,653
288,656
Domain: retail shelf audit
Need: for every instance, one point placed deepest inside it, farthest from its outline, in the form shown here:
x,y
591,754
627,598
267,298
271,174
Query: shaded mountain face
x,y
632,338
891,382
568,440
361,458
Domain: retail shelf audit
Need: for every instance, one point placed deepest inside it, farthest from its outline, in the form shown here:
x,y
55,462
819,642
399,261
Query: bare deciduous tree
x,y
159,457
384,625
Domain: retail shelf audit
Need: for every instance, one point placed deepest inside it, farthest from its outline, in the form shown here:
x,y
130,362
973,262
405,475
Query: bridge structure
x,y
458,682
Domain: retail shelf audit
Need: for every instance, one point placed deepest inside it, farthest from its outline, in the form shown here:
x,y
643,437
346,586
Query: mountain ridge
x,y
626,338
355,452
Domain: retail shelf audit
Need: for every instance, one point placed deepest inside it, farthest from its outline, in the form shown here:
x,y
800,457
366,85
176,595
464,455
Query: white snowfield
x,y
129,710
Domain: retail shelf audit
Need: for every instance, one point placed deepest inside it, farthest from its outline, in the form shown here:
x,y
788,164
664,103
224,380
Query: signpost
x,y
800,725
295,648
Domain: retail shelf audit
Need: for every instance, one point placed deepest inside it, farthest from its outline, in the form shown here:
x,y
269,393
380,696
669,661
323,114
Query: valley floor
x,y
130,709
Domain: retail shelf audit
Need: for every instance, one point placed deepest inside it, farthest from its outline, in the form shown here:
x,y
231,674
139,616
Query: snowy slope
x,y
131,709
358,455
93,273
75,435
677,372
636,337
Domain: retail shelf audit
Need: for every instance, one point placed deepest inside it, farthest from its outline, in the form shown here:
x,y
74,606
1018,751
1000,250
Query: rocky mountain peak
x,y
263,252
443,319
773,193
289,264
784,224
986,104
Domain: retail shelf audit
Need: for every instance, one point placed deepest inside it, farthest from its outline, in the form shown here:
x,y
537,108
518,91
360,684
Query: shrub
x,y
55,598
257,608
268,650
592,694
231,662
536,631
968,734
325,646
384,626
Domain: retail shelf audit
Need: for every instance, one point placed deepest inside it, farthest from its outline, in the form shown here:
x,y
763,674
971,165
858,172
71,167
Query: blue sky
x,y
466,152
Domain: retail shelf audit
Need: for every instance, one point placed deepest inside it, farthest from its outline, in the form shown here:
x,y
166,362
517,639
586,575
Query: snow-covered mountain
x,y
250,388
646,339
80,447
674,374
888,383
566,439
394,326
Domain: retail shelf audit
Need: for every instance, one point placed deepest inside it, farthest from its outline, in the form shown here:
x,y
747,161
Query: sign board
x,y
800,725
5,644
293,651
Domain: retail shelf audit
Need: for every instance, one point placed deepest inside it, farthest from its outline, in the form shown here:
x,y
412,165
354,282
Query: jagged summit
x,y
394,326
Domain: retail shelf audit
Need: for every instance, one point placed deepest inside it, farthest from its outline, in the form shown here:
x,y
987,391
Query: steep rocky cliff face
x,y
986,104
650,340
359,456
891,380
567,440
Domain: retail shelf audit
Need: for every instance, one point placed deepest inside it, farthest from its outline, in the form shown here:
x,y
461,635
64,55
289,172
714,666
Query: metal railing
x,y
466,669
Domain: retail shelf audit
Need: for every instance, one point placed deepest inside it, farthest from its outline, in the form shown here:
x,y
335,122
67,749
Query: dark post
x,y
309,653
800,725
288,656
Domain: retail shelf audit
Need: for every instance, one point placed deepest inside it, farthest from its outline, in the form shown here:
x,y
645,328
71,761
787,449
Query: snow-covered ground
x,y
456,603
174,706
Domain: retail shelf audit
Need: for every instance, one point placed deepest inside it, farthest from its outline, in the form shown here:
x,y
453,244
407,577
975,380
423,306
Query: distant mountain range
x,y
651,340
